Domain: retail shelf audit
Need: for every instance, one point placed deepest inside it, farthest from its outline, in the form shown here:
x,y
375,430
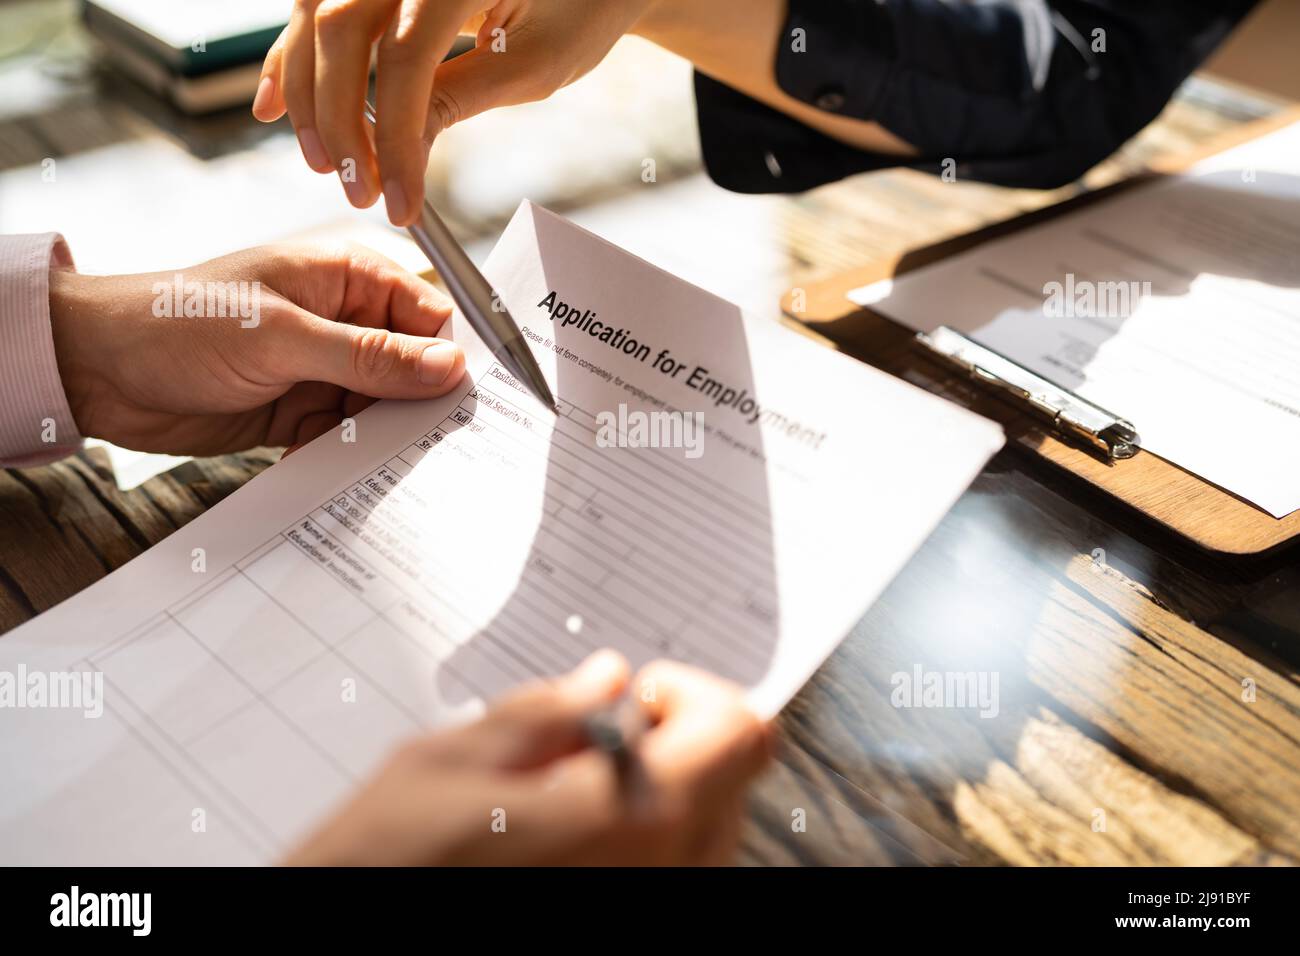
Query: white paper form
x,y
358,592
1176,305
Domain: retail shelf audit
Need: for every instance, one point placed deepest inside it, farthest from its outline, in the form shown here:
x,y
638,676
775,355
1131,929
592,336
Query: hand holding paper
x,y
395,576
271,346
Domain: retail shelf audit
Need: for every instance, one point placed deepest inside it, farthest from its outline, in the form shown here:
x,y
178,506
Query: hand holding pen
x,y
526,785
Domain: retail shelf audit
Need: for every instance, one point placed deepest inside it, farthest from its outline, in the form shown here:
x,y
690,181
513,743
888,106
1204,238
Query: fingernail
x,y
358,192
437,362
598,671
395,197
313,150
265,90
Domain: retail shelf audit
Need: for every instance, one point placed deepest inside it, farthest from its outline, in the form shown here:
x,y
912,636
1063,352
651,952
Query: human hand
x,y
319,68
305,337
527,767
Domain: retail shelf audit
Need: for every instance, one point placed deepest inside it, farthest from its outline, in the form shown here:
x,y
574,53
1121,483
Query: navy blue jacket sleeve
x,y
1027,93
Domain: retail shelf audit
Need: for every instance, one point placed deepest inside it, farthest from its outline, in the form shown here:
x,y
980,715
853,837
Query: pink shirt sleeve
x,y
36,424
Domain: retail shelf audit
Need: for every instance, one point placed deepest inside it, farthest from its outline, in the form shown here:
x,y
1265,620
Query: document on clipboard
x,y
1174,305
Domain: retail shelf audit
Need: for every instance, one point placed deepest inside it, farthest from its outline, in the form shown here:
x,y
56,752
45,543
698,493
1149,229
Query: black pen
x,y
617,729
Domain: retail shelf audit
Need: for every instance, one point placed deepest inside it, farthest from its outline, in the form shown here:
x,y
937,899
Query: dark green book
x,y
190,37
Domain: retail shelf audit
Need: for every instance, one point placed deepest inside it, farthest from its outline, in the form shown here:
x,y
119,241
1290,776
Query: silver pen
x,y
485,312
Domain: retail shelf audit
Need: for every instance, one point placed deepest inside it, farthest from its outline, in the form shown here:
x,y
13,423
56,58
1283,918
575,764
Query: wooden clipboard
x,y
1210,517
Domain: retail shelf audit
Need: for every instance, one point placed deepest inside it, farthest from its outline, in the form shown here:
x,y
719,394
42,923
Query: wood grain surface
x,y
1148,706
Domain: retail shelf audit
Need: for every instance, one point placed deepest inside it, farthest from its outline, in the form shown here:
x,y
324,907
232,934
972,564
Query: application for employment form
x,y
394,575
1175,305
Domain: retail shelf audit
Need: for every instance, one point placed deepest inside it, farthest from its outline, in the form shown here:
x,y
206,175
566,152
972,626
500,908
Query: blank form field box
x,y
129,806
400,664
278,778
349,716
327,608
175,679
250,632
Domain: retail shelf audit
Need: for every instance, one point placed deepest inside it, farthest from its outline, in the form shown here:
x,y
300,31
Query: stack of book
x,y
203,55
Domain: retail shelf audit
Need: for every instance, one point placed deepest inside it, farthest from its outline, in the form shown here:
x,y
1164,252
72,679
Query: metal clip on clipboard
x,y
1066,412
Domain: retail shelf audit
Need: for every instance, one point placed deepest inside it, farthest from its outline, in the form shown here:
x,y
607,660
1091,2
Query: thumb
x,y
479,80
371,361
544,720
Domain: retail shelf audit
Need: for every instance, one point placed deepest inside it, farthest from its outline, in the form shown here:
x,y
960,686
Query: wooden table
x,y
1148,707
